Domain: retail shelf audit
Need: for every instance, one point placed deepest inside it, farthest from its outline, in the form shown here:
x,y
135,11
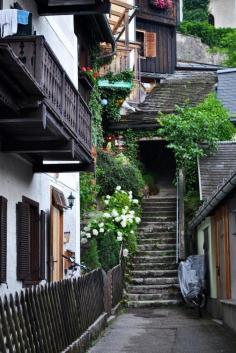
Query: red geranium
x,y
163,4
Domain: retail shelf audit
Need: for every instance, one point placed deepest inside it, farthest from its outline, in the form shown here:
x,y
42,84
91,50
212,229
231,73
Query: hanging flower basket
x,y
162,4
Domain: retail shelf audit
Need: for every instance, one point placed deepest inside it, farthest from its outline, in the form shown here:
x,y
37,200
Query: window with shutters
x,y
30,242
3,239
148,43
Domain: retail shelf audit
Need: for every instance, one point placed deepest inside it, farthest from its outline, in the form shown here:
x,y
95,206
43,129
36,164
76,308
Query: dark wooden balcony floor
x,y
42,115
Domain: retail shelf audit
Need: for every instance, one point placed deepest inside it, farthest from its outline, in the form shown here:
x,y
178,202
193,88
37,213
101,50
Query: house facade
x,y
45,133
223,13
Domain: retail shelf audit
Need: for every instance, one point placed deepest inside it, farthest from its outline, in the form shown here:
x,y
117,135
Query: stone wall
x,y
191,49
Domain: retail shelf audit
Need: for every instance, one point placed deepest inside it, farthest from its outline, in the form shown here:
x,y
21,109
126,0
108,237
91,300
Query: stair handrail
x,y
180,226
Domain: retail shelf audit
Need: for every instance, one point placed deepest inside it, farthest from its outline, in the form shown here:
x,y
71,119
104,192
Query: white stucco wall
x,y
59,33
224,12
200,242
17,180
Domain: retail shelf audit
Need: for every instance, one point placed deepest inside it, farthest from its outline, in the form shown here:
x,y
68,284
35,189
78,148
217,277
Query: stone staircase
x,y
154,271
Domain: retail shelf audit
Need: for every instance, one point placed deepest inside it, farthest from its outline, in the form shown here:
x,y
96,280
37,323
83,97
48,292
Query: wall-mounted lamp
x,y
71,200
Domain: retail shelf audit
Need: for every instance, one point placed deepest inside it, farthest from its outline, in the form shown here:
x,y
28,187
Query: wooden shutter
x,y
150,45
23,241
3,239
42,245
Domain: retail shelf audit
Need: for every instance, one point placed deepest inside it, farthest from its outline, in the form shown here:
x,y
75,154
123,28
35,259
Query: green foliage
x,y
228,43
214,37
185,131
88,192
195,10
91,256
96,109
108,250
111,171
116,225
116,96
191,203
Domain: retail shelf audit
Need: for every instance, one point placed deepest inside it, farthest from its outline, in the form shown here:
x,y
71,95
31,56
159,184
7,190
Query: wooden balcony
x,y
63,132
55,7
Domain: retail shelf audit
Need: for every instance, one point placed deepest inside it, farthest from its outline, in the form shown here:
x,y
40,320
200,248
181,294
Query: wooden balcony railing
x,y
62,98
119,63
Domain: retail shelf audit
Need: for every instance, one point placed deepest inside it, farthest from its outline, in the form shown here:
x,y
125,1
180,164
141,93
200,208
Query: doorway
x,y
159,167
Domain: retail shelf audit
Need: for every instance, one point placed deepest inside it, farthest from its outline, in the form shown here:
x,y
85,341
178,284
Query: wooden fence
x,y
48,319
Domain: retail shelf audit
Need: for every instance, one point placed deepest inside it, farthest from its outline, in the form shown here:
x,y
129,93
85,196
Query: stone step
x,y
154,259
156,246
154,273
156,208
158,280
155,219
156,253
153,289
151,296
156,235
159,213
158,240
154,266
152,303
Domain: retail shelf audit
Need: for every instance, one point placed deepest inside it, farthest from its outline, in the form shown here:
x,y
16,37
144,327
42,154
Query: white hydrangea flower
x,y
108,197
135,201
123,224
137,220
125,252
82,233
132,232
118,188
101,230
119,233
84,240
107,215
106,202
87,229
124,211
119,238
117,219
88,235
101,225
132,212
114,213
95,232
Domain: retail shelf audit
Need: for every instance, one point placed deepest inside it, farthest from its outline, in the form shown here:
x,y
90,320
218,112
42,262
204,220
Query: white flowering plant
x,y
120,218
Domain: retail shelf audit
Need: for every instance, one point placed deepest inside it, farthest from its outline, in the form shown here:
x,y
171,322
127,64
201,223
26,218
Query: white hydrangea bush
x,y
120,216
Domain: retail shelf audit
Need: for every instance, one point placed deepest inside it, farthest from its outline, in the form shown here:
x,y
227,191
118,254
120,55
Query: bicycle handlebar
x,y
71,259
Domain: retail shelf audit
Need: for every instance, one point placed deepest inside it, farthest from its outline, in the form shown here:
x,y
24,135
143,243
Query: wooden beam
x,y
116,13
64,168
122,4
9,121
119,22
38,147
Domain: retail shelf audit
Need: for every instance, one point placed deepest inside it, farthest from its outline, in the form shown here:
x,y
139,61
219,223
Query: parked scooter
x,y
191,275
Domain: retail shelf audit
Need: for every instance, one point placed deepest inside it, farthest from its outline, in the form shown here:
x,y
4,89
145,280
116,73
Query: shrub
x,y
91,256
111,171
186,131
88,191
114,227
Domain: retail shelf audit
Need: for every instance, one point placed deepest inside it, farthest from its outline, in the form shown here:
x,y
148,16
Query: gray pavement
x,y
165,330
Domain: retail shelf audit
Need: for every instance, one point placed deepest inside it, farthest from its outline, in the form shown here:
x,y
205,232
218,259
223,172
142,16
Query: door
x,y
222,254
56,263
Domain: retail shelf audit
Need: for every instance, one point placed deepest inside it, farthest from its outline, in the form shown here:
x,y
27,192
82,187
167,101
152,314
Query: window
x,y
148,42
30,242
3,239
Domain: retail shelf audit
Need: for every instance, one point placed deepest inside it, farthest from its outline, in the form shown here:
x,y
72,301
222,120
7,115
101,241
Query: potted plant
x,y
162,4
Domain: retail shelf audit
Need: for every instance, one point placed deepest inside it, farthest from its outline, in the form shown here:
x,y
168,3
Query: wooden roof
x,y
215,168
119,16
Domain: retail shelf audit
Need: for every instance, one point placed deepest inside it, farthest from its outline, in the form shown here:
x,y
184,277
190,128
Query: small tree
x,y
191,127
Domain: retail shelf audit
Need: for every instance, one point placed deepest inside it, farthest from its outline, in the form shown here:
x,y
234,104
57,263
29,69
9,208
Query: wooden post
x,y
181,215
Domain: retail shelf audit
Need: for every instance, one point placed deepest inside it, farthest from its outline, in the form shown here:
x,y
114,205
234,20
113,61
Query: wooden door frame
x,y
51,239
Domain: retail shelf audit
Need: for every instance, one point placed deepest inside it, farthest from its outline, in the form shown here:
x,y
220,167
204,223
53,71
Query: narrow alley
x,y
165,330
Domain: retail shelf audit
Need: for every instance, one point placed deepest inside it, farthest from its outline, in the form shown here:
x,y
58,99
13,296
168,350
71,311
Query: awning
x,y
73,7
120,16
117,84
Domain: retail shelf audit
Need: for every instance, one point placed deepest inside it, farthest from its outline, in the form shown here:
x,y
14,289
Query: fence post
x,y
107,291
